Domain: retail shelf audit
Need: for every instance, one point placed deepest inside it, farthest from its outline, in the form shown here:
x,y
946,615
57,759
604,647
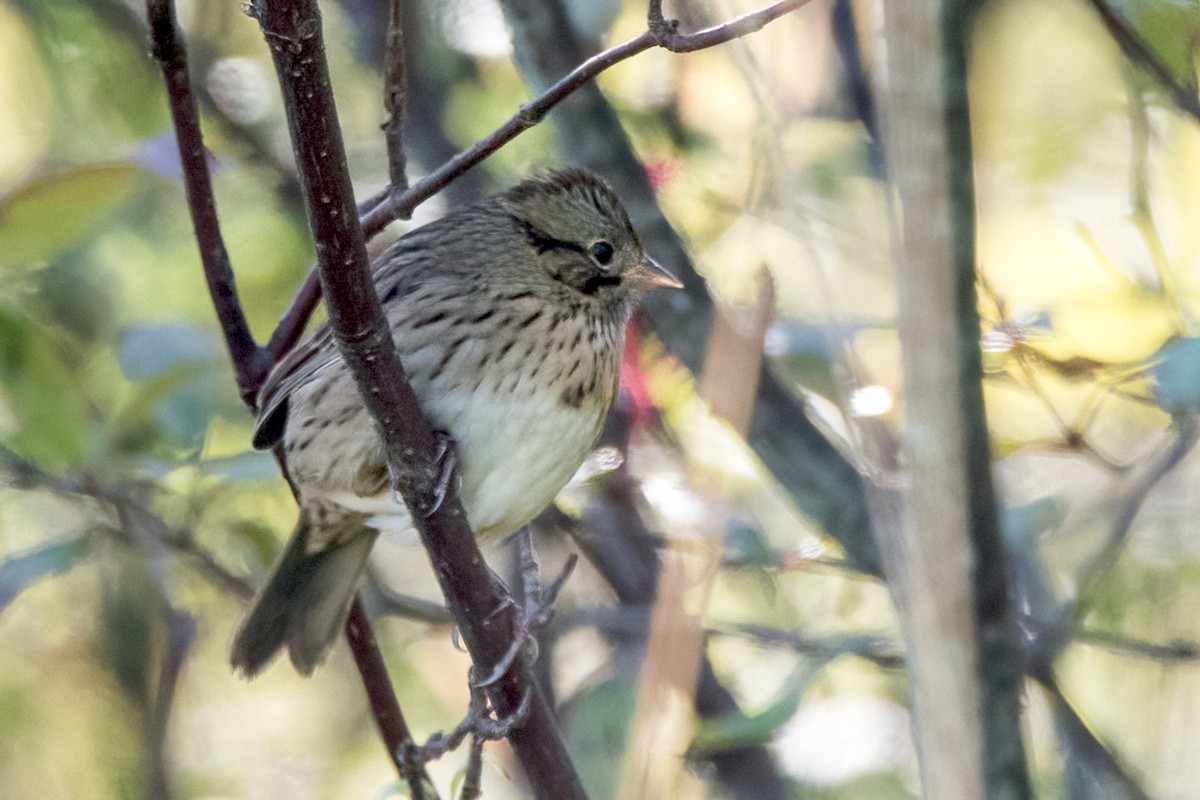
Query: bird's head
x,y
580,234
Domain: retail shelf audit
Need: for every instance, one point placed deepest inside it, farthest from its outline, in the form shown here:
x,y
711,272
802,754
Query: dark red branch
x,y
249,361
389,718
484,612
295,319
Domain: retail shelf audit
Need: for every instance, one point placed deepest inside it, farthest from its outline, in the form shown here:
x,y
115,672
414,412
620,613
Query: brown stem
x,y
295,319
665,35
484,612
249,361
393,728
291,327
395,93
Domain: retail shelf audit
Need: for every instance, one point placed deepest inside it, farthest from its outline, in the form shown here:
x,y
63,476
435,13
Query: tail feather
x,y
304,603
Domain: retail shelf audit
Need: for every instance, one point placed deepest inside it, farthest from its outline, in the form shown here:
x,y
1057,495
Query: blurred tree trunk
x,y
942,550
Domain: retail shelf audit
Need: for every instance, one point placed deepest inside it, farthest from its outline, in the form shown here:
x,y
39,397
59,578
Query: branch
x,y
393,728
249,361
1100,563
21,473
295,319
1135,648
667,36
291,327
395,93
1139,52
1086,746
484,612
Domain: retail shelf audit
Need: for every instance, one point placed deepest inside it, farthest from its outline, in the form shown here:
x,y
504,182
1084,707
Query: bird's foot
x,y
535,612
482,724
445,461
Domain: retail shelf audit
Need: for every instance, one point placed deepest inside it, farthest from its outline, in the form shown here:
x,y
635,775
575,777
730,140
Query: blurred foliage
x,y
132,511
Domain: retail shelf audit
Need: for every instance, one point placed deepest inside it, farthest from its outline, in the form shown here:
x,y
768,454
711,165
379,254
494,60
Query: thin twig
x,y
1136,648
249,361
665,35
21,473
879,649
1097,567
393,728
295,319
406,606
395,93
1137,50
1089,747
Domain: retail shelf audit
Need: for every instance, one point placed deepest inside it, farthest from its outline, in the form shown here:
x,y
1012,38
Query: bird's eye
x,y
602,252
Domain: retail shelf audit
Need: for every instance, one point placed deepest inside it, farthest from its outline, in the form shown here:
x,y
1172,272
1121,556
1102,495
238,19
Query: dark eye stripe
x,y
545,243
599,279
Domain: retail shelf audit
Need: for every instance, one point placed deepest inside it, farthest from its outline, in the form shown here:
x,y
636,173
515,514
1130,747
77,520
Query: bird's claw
x,y
537,611
446,462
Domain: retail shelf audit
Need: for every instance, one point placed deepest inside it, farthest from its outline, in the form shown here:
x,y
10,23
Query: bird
x,y
509,317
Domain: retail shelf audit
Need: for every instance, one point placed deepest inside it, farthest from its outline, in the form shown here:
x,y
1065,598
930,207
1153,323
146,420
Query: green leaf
x,y
599,718
51,214
1169,27
19,572
43,393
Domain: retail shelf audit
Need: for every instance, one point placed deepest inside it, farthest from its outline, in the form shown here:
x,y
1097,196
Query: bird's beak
x,y
651,275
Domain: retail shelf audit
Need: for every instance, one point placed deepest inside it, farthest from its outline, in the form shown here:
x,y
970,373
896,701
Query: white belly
x,y
515,456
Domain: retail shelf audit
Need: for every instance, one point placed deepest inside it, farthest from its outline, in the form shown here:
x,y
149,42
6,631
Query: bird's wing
x,y
295,369
399,272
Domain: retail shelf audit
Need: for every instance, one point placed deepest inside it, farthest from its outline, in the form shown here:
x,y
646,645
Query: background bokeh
x,y
134,516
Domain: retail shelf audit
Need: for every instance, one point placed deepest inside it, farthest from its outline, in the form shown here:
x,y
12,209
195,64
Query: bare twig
x,y
21,473
249,361
296,318
395,92
393,728
1091,750
1129,503
879,649
389,601
1136,648
665,35
1135,48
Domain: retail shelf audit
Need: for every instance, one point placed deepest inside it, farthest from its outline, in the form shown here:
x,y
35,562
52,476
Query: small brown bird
x,y
509,317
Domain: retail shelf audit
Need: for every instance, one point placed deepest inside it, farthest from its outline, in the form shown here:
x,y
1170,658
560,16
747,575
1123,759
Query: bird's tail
x,y
304,603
